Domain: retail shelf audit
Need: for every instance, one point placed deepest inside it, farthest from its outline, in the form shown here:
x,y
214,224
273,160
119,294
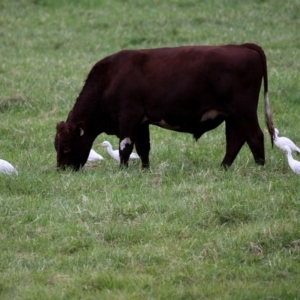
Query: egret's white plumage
x,y
94,156
280,142
115,153
294,164
7,168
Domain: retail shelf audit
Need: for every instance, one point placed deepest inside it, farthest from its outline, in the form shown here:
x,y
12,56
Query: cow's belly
x,y
213,114
207,121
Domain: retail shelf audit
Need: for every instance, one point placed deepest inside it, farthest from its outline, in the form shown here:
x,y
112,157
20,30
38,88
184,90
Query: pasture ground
x,y
185,229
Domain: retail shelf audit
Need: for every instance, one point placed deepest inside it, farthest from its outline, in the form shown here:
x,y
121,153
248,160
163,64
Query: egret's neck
x,y
109,148
290,157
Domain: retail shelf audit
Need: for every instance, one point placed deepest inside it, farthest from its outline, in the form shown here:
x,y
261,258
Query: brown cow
x,y
189,89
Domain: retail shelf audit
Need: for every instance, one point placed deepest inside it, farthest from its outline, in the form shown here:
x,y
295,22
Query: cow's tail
x,y
268,115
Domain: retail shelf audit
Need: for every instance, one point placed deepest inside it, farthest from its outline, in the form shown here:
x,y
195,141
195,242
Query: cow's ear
x,y
80,129
59,126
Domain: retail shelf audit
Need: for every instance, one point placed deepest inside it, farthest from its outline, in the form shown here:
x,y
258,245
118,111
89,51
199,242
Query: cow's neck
x,y
89,114
90,109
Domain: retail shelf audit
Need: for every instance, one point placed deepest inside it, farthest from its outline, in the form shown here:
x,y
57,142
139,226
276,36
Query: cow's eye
x,y
67,150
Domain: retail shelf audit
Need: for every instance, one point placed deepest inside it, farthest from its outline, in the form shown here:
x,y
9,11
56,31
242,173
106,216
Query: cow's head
x,y
72,145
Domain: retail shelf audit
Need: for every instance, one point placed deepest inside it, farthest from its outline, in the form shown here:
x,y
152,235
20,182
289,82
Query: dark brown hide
x,y
189,89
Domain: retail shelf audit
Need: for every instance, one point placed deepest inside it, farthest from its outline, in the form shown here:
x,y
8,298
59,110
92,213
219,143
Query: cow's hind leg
x,y
234,142
239,130
253,135
142,144
255,141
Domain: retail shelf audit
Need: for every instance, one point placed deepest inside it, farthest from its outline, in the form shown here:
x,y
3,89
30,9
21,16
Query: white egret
x,y
280,142
94,156
294,164
115,153
7,168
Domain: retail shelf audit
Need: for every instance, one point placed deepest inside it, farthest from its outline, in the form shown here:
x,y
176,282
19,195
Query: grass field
x,y
185,229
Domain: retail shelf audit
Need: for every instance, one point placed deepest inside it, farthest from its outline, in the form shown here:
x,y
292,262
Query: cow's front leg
x,y
125,149
130,123
142,144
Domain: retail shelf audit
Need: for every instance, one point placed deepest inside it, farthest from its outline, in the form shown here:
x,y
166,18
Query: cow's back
x,y
196,78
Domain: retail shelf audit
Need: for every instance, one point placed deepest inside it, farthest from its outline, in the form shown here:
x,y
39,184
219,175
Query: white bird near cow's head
x,y
280,142
294,164
7,168
115,153
94,156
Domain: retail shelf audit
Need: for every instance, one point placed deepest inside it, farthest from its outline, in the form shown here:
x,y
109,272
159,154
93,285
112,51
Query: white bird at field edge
x,y
280,142
7,168
115,153
94,156
294,164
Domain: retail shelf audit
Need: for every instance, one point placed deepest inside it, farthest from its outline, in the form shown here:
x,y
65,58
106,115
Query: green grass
x,y
185,229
